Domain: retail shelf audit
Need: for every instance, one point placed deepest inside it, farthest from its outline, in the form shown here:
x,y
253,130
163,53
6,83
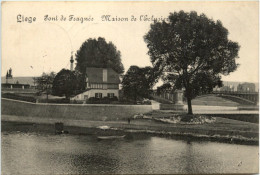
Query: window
x,y
112,86
98,95
104,86
96,86
85,97
110,95
99,86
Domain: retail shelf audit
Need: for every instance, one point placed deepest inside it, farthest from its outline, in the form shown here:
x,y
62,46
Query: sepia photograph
x,y
129,87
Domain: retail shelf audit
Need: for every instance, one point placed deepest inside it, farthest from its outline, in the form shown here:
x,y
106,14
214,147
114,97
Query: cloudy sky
x,y
44,46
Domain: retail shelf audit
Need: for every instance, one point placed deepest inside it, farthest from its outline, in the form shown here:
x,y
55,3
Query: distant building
x,y
10,82
227,88
246,87
100,83
238,86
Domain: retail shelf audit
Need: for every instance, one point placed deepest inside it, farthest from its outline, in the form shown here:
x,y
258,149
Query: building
x,y
246,87
238,86
10,82
100,83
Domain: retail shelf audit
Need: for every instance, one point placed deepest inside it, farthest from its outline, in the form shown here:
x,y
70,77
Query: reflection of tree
x,y
189,158
94,163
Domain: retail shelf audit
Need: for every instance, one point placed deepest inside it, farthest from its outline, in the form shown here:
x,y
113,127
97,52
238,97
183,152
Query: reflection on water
x,y
31,153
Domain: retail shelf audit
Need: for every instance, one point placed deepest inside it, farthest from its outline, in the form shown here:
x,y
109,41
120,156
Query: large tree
x,y
137,82
191,51
98,53
65,83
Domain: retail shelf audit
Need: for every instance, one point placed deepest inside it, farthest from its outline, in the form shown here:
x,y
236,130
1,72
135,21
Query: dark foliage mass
x,y
104,100
65,83
191,51
137,82
100,54
44,83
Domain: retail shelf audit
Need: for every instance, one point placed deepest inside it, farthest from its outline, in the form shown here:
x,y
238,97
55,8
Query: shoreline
x,y
131,130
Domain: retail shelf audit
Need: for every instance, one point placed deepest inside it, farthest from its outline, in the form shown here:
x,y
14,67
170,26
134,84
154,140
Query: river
x,y
34,153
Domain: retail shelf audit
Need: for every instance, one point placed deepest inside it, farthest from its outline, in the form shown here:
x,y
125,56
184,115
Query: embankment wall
x,y
72,111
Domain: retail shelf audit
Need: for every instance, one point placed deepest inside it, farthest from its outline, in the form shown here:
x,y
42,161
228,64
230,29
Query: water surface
x,y
32,153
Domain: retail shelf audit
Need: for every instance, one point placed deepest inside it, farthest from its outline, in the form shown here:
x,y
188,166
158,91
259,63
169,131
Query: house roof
x,y
20,80
95,75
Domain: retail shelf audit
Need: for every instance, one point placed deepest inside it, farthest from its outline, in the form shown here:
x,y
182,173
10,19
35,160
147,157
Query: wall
x,y
91,93
104,92
72,111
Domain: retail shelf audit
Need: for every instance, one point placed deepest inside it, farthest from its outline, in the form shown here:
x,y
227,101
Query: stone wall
x,y
72,111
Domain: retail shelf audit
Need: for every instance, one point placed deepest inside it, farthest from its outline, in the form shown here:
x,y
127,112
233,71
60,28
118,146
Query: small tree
x,y
137,82
191,52
44,83
65,83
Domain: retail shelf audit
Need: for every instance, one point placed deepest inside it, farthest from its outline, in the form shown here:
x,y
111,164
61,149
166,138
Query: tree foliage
x,y
98,53
65,83
137,82
191,51
44,82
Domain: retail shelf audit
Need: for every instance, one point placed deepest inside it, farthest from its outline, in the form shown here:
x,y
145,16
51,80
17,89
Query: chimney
x,y
104,75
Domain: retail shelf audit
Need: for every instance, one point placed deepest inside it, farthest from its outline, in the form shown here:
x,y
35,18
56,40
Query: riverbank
x,y
222,130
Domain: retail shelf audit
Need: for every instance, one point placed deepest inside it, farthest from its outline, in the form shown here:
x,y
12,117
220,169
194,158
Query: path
x,y
200,109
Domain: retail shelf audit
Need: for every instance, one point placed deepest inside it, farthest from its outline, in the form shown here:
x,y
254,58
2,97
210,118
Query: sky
x,y
31,48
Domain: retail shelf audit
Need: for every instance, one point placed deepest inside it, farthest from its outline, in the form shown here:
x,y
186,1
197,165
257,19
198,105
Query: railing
x,y
249,97
234,92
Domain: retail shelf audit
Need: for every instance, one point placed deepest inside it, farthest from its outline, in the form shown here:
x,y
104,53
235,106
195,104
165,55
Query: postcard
x,y
130,87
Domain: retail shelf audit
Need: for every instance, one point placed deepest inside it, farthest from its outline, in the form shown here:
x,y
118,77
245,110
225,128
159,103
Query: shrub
x,y
60,100
77,102
104,100
18,97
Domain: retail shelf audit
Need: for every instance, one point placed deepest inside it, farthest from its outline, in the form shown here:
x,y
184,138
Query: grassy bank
x,y
222,130
252,118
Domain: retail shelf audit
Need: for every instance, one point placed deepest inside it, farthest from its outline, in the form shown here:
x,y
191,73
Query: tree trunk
x,y
188,91
189,105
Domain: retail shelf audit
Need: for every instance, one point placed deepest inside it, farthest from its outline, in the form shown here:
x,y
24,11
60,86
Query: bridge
x,y
244,98
250,98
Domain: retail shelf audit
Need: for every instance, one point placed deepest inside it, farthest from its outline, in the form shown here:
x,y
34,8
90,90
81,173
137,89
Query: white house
x,y
100,83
